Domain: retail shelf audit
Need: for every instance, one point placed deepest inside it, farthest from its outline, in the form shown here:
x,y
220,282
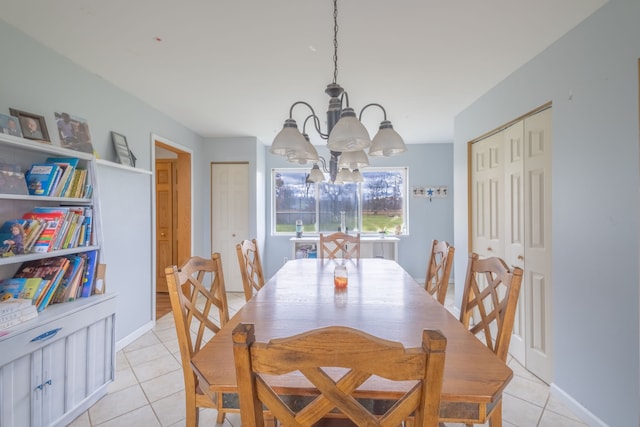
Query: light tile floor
x,y
148,389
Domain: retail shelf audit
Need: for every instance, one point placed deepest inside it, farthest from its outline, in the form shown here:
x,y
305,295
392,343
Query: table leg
x,y
495,419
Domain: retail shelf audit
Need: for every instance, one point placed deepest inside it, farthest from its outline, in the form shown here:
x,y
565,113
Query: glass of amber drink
x,y
340,277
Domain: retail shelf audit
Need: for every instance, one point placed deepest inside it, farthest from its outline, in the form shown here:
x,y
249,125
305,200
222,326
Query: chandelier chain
x,y
335,41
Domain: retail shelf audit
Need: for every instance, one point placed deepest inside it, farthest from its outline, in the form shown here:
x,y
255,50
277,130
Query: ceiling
x,y
234,67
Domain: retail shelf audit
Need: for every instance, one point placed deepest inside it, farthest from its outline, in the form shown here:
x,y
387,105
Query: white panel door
x,y
537,217
514,225
511,219
229,217
487,196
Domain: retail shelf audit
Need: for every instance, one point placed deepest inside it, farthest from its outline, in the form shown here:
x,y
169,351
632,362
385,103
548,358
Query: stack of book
x,y
58,177
15,311
53,280
65,227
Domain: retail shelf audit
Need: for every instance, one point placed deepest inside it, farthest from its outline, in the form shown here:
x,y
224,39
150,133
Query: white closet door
x,y
487,196
537,217
514,226
229,217
511,219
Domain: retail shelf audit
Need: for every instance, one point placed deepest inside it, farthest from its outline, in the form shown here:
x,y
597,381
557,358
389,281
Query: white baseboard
x,y
575,407
134,335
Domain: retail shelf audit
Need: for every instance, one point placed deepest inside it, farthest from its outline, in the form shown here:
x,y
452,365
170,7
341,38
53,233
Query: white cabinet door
x,y
50,392
15,393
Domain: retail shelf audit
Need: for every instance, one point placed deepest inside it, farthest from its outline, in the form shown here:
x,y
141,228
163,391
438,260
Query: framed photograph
x,y
73,132
10,125
33,126
122,149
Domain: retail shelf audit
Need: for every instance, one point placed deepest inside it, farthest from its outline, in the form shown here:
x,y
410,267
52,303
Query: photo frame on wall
x,y
10,125
73,132
123,154
33,125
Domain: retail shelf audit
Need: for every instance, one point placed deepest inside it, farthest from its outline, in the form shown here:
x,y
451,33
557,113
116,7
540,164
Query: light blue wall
x,y
429,164
591,77
39,81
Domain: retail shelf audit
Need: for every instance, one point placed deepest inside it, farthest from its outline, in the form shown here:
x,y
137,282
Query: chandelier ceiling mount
x,y
346,136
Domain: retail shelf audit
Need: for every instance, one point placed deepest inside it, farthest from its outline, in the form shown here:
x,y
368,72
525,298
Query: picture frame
x,y
73,132
33,126
121,146
10,125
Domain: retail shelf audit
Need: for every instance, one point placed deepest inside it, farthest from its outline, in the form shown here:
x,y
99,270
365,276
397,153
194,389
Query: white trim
x,y
575,407
120,166
135,334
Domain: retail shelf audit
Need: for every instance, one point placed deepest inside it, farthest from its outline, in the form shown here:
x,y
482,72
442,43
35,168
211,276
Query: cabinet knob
x,y
163,234
520,257
233,235
489,249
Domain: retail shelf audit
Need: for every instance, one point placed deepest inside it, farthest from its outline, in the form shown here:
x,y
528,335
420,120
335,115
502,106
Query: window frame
x,y
360,201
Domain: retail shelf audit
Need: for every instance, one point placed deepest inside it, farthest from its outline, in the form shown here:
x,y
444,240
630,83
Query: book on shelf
x,y
69,165
12,180
20,287
89,274
81,188
53,219
50,269
32,229
12,237
71,280
15,311
77,182
42,177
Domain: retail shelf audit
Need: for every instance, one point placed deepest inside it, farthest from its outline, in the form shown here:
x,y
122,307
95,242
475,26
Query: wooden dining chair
x,y
359,355
340,245
250,267
439,269
194,288
490,297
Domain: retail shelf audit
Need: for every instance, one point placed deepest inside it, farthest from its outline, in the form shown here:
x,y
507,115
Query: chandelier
x,y
346,136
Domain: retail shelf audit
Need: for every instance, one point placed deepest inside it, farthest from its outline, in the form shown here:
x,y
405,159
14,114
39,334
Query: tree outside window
x,y
379,204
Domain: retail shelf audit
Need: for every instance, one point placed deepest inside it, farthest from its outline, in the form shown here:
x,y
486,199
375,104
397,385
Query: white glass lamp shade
x,y
289,140
353,160
316,174
349,134
306,153
387,141
344,175
356,176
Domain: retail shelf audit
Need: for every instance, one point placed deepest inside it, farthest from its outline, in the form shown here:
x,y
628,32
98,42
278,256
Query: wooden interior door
x,y
229,217
166,248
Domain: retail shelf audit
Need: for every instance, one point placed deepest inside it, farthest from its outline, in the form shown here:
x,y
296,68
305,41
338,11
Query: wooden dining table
x,y
382,299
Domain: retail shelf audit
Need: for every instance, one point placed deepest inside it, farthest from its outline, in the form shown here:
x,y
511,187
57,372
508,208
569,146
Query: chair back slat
x,y
489,299
337,360
340,245
199,305
439,270
250,267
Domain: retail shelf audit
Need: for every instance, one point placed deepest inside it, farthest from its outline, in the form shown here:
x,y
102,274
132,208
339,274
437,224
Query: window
x,y
378,204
